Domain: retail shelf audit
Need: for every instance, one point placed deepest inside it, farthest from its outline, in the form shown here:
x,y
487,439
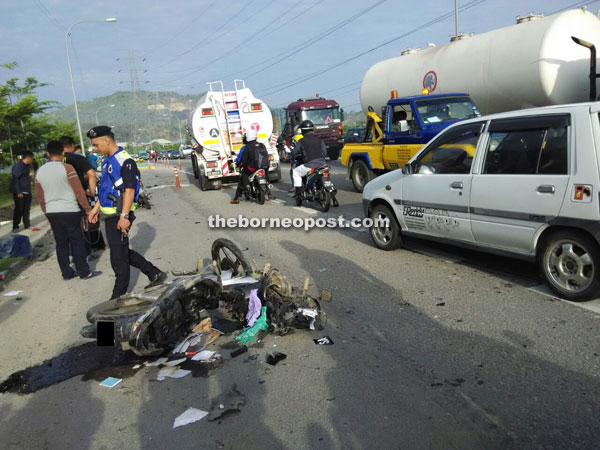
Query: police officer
x,y
117,200
313,151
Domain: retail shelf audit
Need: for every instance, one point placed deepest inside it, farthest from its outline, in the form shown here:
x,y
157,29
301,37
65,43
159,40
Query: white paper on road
x,y
172,372
204,355
158,362
175,362
12,293
191,415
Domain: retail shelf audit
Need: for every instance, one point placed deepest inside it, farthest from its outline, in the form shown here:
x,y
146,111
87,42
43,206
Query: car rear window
x,y
532,145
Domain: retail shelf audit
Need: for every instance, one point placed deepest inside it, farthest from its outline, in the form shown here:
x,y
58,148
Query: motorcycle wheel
x,y
261,196
119,309
229,256
323,200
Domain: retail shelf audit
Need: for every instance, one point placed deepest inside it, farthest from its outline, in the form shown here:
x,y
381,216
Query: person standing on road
x,y
61,195
248,160
313,151
87,177
20,186
93,159
117,200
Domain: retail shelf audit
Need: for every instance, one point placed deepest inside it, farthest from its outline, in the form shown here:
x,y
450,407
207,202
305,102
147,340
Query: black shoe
x,y
89,331
157,279
70,277
91,275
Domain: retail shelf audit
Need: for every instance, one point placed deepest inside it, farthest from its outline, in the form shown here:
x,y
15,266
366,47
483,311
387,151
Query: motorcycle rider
x,y
248,161
313,151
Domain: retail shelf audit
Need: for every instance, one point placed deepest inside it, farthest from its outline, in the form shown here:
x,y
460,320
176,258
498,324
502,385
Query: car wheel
x,y
385,229
569,261
360,174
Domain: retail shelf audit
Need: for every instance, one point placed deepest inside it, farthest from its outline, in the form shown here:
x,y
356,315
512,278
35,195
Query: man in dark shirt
x,y
20,186
87,177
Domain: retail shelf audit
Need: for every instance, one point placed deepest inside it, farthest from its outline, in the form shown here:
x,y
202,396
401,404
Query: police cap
x,y
99,131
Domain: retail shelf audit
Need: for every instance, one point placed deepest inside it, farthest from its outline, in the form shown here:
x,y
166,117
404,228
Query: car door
x,y
523,180
435,197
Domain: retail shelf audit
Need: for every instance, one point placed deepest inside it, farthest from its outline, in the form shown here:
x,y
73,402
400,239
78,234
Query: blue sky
x,y
180,44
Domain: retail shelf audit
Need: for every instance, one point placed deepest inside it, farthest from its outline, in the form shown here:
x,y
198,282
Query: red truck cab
x,y
325,114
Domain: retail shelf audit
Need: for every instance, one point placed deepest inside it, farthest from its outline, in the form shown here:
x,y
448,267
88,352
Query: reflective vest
x,y
111,184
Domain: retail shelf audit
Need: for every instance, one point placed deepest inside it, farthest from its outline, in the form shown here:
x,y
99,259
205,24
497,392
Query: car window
x,y
451,152
399,113
520,151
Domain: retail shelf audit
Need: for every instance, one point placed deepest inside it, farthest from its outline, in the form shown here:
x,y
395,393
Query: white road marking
x,y
275,200
592,305
306,210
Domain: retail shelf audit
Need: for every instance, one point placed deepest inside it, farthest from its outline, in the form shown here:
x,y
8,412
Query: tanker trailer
x,y
532,63
217,126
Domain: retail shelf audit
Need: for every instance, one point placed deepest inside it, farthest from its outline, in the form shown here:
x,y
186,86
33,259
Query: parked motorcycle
x,y
259,186
151,322
317,188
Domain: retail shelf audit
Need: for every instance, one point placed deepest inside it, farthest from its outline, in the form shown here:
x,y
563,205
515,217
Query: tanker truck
x,y
535,62
217,126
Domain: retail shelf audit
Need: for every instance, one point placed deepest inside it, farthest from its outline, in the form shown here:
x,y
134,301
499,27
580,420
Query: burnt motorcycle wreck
x,y
153,321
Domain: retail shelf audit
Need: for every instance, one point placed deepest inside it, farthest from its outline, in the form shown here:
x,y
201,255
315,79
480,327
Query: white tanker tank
x,y
532,63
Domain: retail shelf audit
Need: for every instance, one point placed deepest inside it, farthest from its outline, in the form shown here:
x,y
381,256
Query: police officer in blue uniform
x,y
117,200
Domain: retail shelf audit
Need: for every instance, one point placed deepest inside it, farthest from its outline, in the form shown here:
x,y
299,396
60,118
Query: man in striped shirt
x,y
62,199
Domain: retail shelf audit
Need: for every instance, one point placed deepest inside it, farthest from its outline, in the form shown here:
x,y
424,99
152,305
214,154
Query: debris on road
x,y
325,340
158,362
251,334
206,356
274,358
230,401
254,308
190,415
172,372
238,351
111,382
12,293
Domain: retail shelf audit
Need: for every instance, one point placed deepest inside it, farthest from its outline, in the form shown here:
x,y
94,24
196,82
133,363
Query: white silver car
x,y
522,183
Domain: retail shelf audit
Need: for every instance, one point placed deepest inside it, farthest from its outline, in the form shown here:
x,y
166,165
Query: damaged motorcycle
x,y
153,321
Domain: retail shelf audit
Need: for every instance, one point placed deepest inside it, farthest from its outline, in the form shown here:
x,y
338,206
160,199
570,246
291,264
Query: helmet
x,y
251,135
307,126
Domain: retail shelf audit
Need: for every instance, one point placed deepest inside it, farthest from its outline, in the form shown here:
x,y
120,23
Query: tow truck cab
x,y
408,124
324,113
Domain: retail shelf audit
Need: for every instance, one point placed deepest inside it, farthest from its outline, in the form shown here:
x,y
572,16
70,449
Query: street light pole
x,y
112,19
97,121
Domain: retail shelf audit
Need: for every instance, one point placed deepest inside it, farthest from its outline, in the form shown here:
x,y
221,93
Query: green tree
x,y
23,122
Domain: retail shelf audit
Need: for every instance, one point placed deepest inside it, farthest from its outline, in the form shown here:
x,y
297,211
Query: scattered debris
x,y
12,293
324,269
206,356
250,334
191,415
175,362
158,362
325,340
254,308
172,372
36,229
192,344
238,351
137,366
311,315
440,304
274,358
230,401
23,277
111,382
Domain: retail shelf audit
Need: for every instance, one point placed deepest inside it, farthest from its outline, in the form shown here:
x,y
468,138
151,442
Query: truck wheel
x,y
333,153
195,168
215,185
569,262
360,174
202,181
386,236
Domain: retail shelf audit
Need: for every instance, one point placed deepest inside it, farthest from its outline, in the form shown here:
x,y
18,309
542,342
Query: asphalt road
x,y
434,347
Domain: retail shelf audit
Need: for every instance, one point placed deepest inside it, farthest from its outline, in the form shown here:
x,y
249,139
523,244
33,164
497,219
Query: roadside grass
x,y
8,262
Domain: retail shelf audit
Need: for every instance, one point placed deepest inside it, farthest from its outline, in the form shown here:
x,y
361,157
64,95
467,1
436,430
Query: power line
x,y
574,5
46,11
318,2
192,22
341,87
206,41
346,61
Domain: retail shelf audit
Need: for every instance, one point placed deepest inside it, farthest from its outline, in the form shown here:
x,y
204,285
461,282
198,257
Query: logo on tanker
x,y
430,81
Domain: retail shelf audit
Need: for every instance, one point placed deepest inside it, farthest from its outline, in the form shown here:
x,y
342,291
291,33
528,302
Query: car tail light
x,y
211,164
207,112
340,129
260,173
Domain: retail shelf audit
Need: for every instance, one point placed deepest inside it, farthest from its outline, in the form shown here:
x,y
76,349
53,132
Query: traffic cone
x,y
177,178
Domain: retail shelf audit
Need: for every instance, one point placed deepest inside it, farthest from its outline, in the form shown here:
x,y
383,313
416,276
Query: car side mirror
x,y
342,115
407,169
403,125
